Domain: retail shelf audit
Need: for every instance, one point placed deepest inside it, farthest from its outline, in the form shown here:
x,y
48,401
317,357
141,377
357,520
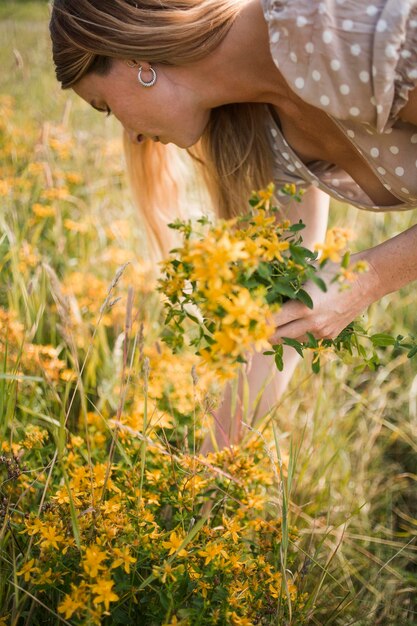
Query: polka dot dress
x,y
356,60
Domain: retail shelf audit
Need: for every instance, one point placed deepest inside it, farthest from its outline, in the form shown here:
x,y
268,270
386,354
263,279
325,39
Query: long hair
x,y
234,154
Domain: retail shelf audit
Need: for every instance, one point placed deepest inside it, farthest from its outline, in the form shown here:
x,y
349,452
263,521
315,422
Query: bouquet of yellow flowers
x,y
223,286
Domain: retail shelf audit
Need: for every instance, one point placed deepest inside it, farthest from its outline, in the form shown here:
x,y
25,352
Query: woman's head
x,y
94,40
87,34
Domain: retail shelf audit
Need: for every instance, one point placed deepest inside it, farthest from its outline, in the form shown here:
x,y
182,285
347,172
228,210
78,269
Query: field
x,y
108,513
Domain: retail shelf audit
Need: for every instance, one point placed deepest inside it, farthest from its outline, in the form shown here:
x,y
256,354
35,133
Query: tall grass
x,y
107,512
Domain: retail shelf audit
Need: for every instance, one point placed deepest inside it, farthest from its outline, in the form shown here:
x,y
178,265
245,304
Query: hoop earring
x,y
147,83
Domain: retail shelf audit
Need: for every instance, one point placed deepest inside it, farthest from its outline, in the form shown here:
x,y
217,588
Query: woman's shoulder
x,y
342,56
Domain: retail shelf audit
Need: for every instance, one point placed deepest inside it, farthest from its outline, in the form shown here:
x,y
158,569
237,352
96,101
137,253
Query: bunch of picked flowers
x,y
223,286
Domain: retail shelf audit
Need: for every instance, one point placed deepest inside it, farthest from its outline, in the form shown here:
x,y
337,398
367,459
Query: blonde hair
x,y
234,155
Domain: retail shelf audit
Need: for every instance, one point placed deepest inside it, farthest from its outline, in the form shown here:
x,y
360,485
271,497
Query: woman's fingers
x,y
290,312
294,330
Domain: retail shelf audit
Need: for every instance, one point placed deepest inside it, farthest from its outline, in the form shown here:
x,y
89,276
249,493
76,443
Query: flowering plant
x,y
229,279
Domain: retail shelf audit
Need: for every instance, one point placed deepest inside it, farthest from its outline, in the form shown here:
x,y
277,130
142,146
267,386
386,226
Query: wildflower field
x,y
108,512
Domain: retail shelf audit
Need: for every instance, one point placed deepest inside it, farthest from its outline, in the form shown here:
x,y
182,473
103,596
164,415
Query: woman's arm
x,y
392,265
313,211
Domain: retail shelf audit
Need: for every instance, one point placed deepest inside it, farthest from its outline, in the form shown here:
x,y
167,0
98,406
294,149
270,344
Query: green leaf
x,y
382,340
294,344
295,228
303,296
346,260
283,289
315,366
318,281
279,361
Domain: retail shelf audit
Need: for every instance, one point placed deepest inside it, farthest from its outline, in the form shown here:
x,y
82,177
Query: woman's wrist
x,y
372,286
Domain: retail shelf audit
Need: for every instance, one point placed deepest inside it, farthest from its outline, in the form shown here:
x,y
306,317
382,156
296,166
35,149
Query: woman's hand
x,y
333,310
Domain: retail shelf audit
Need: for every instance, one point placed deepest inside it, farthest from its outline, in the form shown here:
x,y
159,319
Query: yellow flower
x,y
236,620
44,578
27,570
103,590
41,210
265,196
174,543
166,571
123,558
211,551
50,537
55,193
335,242
4,188
232,529
69,606
33,527
78,227
92,561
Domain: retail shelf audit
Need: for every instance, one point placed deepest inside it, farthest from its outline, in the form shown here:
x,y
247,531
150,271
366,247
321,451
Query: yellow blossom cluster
x,y
208,281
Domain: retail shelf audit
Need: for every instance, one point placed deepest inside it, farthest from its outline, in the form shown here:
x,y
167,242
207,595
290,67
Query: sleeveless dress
x,y
356,60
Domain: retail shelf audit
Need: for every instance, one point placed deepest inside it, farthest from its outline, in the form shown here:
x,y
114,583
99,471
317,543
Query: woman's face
x,y
170,111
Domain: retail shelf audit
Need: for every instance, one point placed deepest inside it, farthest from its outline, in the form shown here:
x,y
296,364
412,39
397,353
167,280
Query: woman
x,y
319,93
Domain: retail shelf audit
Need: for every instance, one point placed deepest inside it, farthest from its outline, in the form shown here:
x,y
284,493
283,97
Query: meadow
x,y
108,513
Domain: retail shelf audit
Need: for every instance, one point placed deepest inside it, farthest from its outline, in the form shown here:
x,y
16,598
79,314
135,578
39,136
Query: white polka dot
x,y
293,57
274,132
390,51
412,73
350,134
291,168
299,82
405,54
405,190
387,186
394,149
298,165
354,111
347,25
316,76
327,36
335,65
388,131
413,23
413,138
381,171
355,49
374,153
364,77
374,71
344,89
286,155
324,100
301,21
309,47
372,10
275,37
379,108
322,8
335,182
381,26
399,171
